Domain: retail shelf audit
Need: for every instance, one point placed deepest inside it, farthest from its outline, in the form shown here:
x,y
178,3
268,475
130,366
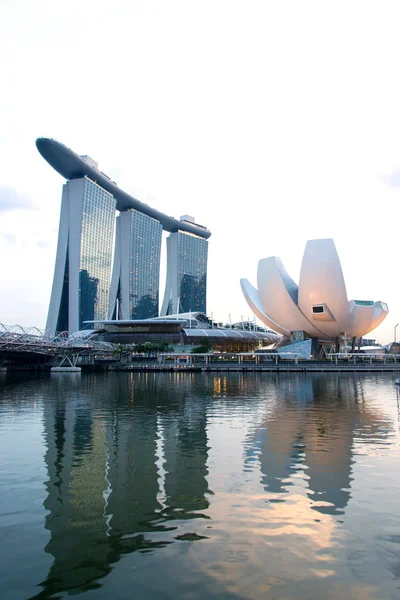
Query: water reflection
x,y
131,460
311,431
76,463
185,454
104,494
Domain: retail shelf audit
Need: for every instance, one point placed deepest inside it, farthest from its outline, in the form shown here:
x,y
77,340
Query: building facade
x,y
186,282
184,331
136,271
81,283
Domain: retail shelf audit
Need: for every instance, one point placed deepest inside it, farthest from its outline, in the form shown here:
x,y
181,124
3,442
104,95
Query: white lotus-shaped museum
x,y
317,306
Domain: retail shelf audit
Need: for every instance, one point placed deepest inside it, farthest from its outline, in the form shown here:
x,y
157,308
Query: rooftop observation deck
x,y
72,166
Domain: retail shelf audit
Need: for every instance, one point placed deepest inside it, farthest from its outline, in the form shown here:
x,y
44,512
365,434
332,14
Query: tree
x,y
120,350
202,348
152,348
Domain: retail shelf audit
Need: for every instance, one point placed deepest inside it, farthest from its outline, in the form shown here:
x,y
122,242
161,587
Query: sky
x,y
271,122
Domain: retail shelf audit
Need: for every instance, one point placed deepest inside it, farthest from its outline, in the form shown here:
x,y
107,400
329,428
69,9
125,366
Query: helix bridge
x,y
65,348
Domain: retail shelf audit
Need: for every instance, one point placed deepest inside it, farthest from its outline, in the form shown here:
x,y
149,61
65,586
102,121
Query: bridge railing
x,y
31,339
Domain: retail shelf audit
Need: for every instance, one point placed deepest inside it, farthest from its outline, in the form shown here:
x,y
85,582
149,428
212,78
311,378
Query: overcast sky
x,y
271,122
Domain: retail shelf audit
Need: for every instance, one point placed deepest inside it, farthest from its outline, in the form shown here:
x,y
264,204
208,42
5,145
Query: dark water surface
x,y
200,486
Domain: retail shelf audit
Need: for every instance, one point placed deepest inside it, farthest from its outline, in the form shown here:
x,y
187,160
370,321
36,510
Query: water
x,y
193,486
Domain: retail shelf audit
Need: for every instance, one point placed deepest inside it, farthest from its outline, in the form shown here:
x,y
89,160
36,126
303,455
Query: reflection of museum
x,y
317,442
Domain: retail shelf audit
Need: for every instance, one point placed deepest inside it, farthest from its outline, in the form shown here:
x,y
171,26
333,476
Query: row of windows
x,y
192,272
144,252
98,215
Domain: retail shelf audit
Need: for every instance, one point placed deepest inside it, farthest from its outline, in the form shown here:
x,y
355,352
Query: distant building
x,y
367,342
394,348
186,283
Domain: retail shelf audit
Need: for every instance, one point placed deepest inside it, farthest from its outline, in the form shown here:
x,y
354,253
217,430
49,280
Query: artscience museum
x,y
317,308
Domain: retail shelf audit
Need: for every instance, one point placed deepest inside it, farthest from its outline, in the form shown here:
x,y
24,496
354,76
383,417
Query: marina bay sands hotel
x,y
109,268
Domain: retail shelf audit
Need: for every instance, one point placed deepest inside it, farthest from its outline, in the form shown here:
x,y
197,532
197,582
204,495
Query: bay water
x,y
191,485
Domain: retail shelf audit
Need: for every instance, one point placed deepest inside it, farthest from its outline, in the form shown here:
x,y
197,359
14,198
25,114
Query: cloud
x,y
12,239
10,199
9,238
44,244
393,179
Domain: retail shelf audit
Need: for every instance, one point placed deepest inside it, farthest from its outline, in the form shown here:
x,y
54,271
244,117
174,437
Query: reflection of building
x,y
83,263
318,307
76,462
132,471
312,428
186,284
102,483
106,442
135,282
185,452
85,244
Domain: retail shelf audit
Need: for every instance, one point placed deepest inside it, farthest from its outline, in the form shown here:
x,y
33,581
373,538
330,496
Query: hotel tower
x,y
108,267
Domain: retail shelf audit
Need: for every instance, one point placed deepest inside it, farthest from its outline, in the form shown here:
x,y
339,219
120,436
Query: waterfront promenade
x,y
284,368
243,362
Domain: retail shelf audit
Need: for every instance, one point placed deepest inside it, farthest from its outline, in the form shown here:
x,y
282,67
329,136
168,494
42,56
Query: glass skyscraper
x,y
136,271
186,284
82,275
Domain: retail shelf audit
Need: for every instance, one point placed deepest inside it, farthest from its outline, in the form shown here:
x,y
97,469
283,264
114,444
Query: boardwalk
x,y
305,367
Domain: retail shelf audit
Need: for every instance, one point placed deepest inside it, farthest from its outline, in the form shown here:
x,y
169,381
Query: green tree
x,y
152,348
120,350
202,348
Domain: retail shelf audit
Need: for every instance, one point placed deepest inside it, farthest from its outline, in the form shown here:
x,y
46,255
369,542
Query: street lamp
x,y
395,327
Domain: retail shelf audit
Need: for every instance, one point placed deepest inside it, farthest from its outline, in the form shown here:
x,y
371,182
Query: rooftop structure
x,y
318,307
72,166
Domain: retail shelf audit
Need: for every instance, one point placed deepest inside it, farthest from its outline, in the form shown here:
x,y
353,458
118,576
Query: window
x,y
364,302
318,309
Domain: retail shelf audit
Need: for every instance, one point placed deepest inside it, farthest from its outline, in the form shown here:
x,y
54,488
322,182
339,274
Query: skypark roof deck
x,y
72,166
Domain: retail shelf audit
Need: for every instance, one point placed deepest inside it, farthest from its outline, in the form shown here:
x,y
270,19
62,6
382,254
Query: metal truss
x,y
14,338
